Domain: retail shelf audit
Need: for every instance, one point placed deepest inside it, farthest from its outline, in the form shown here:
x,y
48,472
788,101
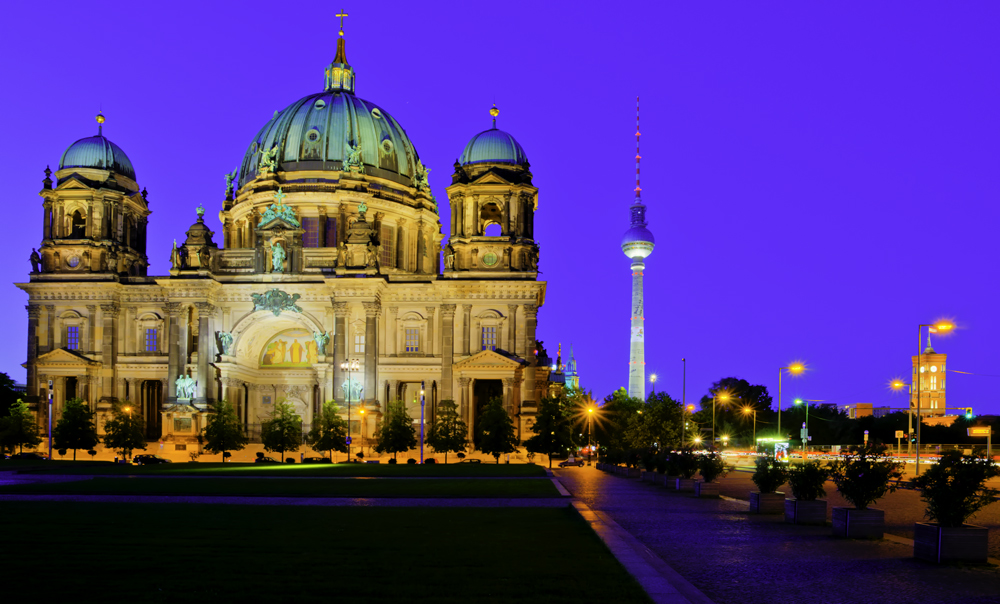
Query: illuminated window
x,y
933,382
311,236
412,339
489,338
359,344
331,232
151,340
388,242
73,337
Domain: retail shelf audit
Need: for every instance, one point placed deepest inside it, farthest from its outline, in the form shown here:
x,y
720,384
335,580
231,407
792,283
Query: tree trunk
x,y
74,454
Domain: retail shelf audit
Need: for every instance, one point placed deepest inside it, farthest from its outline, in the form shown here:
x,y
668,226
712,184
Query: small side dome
x,y
493,146
97,152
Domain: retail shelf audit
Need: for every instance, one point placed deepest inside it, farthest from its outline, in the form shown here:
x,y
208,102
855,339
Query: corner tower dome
x,y
334,130
493,146
97,152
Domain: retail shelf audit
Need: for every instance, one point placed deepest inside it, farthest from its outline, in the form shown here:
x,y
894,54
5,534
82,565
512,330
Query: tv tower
x,y
637,244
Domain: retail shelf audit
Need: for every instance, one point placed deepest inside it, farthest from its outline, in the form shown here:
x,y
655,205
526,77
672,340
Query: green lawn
x,y
82,552
251,469
304,487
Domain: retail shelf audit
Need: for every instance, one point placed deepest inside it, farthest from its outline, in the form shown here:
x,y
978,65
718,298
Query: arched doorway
x,y
151,392
483,391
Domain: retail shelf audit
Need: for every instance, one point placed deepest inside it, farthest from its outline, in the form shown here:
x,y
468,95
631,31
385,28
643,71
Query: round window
x,y
319,104
387,146
376,113
253,147
489,258
922,369
73,261
312,136
933,368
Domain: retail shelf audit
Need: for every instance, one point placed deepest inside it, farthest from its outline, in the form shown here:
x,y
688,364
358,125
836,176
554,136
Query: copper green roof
x,y
97,152
493,146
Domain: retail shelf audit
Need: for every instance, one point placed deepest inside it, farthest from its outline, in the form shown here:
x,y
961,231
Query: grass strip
x,y
204,553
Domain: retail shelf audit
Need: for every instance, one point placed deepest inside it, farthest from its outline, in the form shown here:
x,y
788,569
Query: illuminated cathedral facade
x,y
331,279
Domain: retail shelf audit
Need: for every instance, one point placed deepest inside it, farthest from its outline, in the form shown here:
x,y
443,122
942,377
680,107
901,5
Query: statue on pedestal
x,y
35,260
226,341
185,385
277,258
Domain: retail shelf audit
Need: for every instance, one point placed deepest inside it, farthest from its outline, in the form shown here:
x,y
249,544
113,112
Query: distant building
x,y
931,382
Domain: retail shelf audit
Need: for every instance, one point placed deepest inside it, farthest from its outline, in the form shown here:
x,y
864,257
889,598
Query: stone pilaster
x,y
340,350
508,393
34,311
205,352
372,312
447,350
109,348
50,327
89,342
174,364
431,341
530,322
466,403
467,328
512,328
392,338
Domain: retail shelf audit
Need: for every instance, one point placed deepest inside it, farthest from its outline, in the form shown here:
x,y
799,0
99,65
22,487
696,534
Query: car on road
x,y
31,456
471,461
149,460
266,460
572,461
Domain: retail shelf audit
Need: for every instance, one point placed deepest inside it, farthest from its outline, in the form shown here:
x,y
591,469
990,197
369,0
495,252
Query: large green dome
x,y
97,152
314,132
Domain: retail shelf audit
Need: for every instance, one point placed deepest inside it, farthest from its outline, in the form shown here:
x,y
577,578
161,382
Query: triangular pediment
x,y
72,181
491,178
279,223
61,356
488,359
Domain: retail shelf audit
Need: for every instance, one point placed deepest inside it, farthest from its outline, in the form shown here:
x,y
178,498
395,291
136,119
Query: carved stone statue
x,y
342,255
352,390
229,182
185,385
268,161
277,257
352,157
506,257
371,256
322,339
420,179
205,257
112,260
449,257
35,261
226,341
276,300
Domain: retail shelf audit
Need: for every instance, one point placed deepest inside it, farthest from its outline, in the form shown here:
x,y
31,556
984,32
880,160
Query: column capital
x,y
34,311
172,308
447,310
204,308
467,308
464,382
531,311
431,310
111,309
341,309
372,309
394,310
508,382
91,308
50,307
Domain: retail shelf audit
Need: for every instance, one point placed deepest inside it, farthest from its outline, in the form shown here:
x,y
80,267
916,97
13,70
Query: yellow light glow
x,y
591,410
690,407
944,326
796,368
747,410
897,384
723,396
697,439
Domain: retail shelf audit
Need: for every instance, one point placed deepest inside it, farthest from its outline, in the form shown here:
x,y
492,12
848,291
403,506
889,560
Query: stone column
x,y
340,349
447,350
466,328
512,328
393,392
372,312
530,321
133,395
50,327
431,312
131,337
392,337
401,244
109,347
465,405
421,248
205,334
508,391
173,343
34,311
90,345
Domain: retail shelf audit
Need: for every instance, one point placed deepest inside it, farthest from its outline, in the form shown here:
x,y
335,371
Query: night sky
x,y
820,179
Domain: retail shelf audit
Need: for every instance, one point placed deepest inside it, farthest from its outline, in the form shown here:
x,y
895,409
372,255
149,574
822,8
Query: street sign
x,y
980,431
348,440
900,434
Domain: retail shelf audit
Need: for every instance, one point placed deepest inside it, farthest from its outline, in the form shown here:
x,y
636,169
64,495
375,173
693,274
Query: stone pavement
x,y
737,558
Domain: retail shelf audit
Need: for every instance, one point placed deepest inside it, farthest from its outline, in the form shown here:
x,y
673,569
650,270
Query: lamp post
x,y
939,327
899,385
724,397
652,380
590,430
421,422
792,369
349,367
361,412
687,409
748,411
801,401
50,420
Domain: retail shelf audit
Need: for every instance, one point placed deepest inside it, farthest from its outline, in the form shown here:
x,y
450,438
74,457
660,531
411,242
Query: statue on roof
x,y
268,161
229,182
352,157
277,257
35,260
420,179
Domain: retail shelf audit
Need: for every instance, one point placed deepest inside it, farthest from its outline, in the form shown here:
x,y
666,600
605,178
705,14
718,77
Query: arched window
x,y
78,226
493,230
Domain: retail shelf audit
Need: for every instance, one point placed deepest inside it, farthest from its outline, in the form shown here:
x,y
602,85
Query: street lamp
x,y
349,367
590,430
747,411
688,409
800,401
723,396
361,411
421,422
652,380
898,384
792,369
942,327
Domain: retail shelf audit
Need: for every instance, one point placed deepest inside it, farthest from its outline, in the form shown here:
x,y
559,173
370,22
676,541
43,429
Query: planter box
x,y
935,543
766,503
706,489
647,476
805,512
634,472
685,484
661,479
670,482
858,524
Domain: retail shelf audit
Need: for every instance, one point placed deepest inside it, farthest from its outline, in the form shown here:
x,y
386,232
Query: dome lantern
x,y
493,146
339,75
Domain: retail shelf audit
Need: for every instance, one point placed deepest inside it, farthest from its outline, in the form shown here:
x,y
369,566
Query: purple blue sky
x,y
820,179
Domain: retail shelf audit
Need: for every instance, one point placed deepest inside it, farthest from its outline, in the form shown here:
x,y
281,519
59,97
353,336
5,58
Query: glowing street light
x,y
941,327
793,369
362,412
590,428
687,409
349,366
898,384
800,401
747,411
725,397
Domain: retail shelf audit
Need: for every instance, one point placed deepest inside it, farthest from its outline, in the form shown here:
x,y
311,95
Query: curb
x,y
661,583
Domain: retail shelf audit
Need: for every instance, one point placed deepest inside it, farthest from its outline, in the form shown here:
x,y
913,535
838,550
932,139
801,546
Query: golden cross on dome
x,y
342,14
280,197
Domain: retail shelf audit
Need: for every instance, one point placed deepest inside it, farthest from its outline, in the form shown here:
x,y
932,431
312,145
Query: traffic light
x,y
913,439
968,413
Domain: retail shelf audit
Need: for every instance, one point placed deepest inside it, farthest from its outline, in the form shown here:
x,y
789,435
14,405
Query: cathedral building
x,y
327,281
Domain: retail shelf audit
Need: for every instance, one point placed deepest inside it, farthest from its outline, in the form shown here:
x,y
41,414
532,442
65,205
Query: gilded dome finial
x,y
342,14
494,112
100,122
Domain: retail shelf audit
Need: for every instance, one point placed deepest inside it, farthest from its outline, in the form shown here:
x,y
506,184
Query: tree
x,y
19,428
76,428
449,434
496,431
396,434
552,428
282,430
329,431
223,431
8,394
123,431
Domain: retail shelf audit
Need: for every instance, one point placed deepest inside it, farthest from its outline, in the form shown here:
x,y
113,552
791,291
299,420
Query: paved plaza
x,y
737,558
